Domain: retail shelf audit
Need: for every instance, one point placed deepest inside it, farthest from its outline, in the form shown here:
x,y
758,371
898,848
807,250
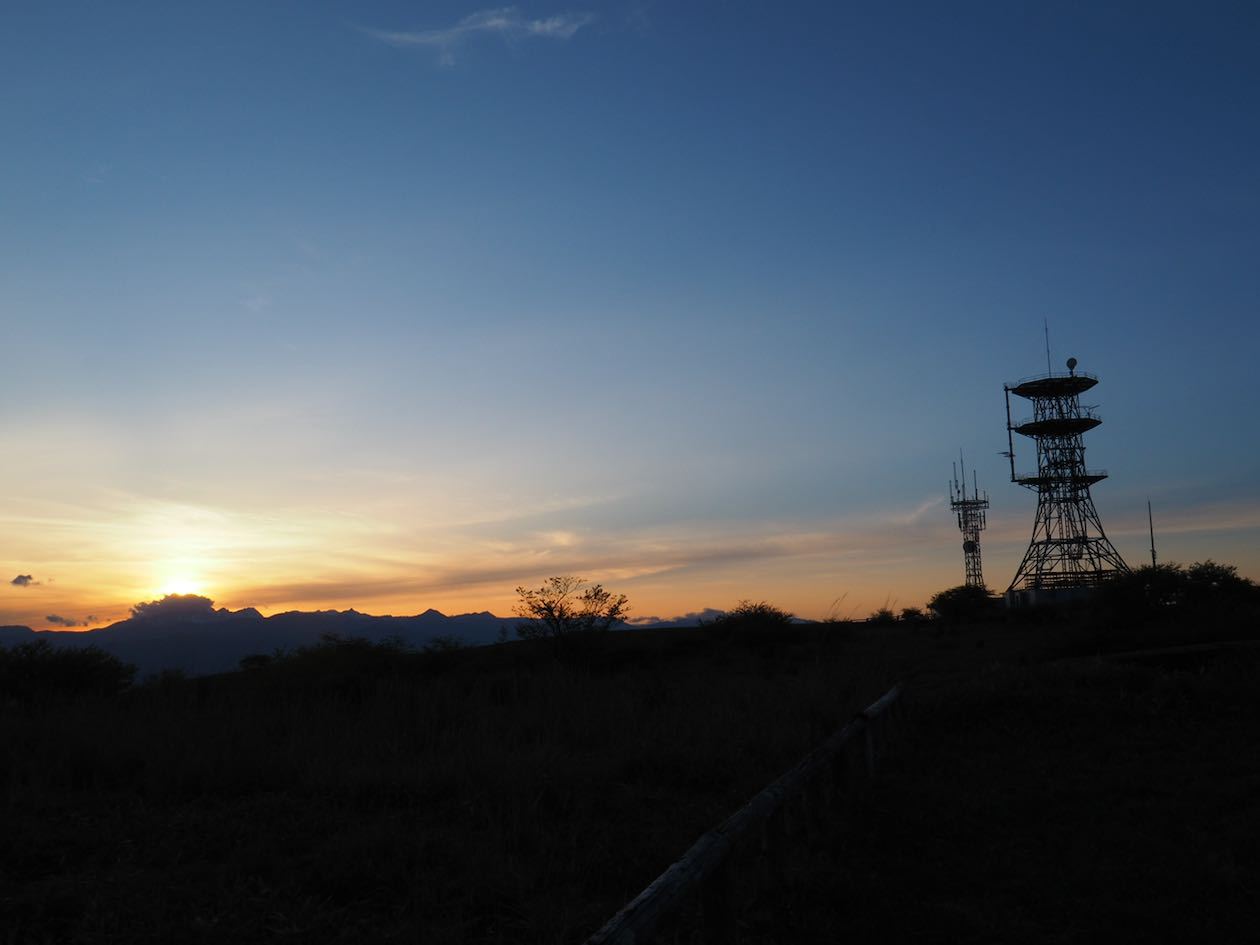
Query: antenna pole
x,y
1045,323
1151,522
1010,442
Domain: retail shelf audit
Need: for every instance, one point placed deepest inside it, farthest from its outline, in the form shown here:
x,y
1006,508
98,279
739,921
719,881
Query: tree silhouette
x,y
565,605
1207,580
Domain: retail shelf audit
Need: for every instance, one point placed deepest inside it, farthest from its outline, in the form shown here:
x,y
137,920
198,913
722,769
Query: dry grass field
x,y
356,793
1042,791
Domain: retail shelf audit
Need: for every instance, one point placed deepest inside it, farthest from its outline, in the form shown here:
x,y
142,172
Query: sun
x,y
181,584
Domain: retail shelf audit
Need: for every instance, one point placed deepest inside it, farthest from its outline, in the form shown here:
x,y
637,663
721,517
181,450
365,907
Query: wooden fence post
x,y
792,805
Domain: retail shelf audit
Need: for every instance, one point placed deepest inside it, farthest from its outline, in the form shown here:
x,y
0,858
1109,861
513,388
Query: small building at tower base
x,y
1019,598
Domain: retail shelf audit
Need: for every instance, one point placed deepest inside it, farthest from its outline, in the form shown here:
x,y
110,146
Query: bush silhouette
x,y
964,602
33,672
750,615
1146,590
256,661
1212,594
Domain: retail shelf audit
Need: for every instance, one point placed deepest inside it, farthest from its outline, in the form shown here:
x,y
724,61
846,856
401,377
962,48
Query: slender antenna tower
x,y
970,512
1069,548
1151,521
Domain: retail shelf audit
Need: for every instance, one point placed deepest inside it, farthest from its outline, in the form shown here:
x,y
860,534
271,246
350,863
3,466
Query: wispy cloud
x,y
692,616
257,303
918,513
620,557
506,22
97,174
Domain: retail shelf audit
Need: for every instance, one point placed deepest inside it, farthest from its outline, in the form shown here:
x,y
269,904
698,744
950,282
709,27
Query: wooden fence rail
x,y
776,814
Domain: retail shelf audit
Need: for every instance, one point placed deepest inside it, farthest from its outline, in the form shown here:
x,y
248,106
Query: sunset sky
x,y
391,306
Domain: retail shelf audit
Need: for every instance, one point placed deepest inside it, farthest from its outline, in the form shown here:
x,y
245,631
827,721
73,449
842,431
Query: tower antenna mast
x,y
970,513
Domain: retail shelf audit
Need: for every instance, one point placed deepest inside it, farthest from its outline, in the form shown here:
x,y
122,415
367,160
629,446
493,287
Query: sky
x,y
385,305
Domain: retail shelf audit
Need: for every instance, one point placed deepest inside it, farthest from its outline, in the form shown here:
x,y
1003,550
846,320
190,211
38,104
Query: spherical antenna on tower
x,y
970,546
1071,364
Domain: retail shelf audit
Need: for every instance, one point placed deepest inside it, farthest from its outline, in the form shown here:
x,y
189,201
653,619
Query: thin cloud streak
x,y
502,21
619,557
918,513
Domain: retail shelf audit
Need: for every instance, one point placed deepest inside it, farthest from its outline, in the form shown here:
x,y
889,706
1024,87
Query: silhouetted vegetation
x,y
367,791
753,615
256,661
567,605
37,672
964,602
1156,588
445,643
354,791
1061,802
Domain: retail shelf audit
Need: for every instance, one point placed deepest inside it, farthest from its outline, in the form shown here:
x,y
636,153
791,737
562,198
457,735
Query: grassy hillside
x,y
1078,801
356,793
520,793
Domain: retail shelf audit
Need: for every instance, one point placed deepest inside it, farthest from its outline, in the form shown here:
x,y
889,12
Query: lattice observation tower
x,y
1068,549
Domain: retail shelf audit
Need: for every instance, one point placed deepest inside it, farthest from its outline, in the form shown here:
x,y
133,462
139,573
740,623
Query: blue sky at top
x,y
627,274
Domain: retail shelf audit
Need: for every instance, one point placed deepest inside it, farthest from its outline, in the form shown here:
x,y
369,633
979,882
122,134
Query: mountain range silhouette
x,y
191,635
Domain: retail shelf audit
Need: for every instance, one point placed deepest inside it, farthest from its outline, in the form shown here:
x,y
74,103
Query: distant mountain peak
x,y
196,638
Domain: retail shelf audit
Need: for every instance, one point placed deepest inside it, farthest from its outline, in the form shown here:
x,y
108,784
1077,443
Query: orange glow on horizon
x,y
91,567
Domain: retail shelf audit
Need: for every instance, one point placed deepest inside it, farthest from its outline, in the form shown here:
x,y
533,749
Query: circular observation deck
x,y
1086,477
1053,385
1057,426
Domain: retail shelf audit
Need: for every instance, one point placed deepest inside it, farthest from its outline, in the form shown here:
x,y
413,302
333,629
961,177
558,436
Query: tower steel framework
x,y
970,512
1069,548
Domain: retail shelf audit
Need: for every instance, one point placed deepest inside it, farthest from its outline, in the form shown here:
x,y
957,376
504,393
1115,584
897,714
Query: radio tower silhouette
x,y
970,512
1069,549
